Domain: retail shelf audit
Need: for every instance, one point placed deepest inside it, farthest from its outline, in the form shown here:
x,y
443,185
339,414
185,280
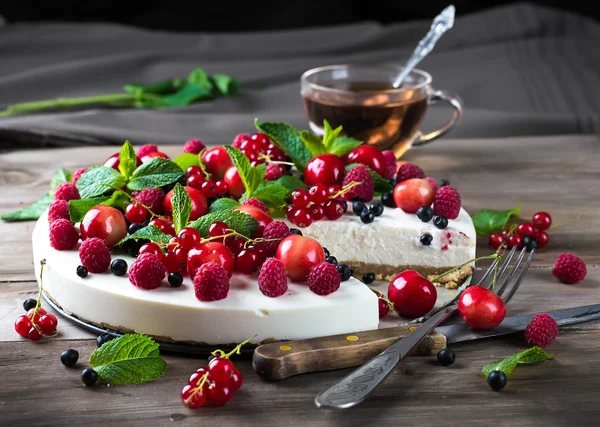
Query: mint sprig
x,y
313,143
182,207
127,160
185,160
487,221
330,143
150,232
287,138
251,176
223,204
61,175
236,220
533,355
128,359
158,172
96,181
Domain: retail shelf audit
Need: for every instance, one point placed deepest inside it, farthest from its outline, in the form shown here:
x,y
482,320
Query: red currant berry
x,y
525,229
290,211
172,263
194,170
384,308
326,169
234,182
48,324
34,334
262,140
542,239
189,237
505,233
246,262
496,240
217,161
319,193
151,248
217,228
219,369
235,380
514,240
209,189
239,138
334,209
541,221
135,213
195,181
317,212
192,397
300,198
334,189
276,154
218,394
236,245
35,314
221,187
23,325
197,376
302,217
250,152
173,244
164,226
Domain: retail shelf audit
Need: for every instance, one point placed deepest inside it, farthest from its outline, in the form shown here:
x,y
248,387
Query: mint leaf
x,y
127,159
381,184
184,96
272,194
151,232
182,207
330,135
223,204
225,85
344,144
239,221
533,355
251,176
95,181
185,160
288,139
290,182
199,78
158,172
60,176
313,143
487,221
31,212
128,359
78,208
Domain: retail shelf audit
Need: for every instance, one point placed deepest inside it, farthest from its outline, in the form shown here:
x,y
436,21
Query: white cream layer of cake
x,y
175,313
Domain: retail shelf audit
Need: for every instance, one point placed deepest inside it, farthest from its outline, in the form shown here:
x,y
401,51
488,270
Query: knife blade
x,y
276,361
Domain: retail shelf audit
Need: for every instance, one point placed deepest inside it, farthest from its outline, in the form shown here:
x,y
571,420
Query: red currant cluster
x,y
525,234
199,180
259,149
316,203
215,383
36,324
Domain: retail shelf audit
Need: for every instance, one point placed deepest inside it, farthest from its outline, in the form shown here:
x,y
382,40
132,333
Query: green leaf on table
x,y
185,160
184,96
288,139
239,221
272,194
31,212
313,143
223,204
225,85
290,182
199,78
128,359
127,159
330,135
251,176
533,355
163,87
158,172
487,221
97,180
182,207
78,208
381,184
61,175
150,232
343,145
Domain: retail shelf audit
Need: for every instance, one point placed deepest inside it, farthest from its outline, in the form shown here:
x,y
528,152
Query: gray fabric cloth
x,y
520,70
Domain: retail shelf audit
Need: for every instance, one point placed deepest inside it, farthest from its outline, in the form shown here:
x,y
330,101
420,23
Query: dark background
x,y
234,16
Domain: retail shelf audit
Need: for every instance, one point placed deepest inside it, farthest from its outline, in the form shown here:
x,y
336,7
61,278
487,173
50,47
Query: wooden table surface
x,y
556,174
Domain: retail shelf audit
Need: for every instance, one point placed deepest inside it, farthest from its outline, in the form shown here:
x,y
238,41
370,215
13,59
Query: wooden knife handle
x,y
276,361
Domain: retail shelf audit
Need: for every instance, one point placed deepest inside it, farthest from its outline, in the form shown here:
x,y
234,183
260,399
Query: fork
x,y
358,385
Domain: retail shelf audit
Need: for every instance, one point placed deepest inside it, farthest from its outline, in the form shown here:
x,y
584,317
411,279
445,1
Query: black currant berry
x,y
29,303
134,227
367,217
426,239
425,213
376,208
118,267
444,182
295,231
368,278
387,199
496,380
345,272
331,260
530,243
89,376
327,253
345,203
82,271
446,356
440,221
358,207
104,338
69,357
392,181
175,279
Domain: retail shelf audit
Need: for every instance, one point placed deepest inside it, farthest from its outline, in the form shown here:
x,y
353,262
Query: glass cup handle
x,y
457,114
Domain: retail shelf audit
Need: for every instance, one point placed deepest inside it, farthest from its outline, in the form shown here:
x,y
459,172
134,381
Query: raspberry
x,y
390,164
59,209
77,174
146,271
273,172
147,149
193,146
66,191
542,330
94,255
275,230
569,268
211,282
409,171
446,202
152,198
324,279
272,280
63,235
257,204
433,183
363,191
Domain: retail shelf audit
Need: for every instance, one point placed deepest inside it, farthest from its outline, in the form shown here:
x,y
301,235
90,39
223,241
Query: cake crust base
x,y
388,272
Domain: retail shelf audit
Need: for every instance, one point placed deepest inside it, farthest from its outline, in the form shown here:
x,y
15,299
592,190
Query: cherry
x,y
34,334
217,228
135,213
411,194
194,170
317,212
208,189
325,169
235,380
236,245
192,397
334,209
195,181
164,226
369,156
173,263
199,206
481,308
302,217
23,325
261,216
300,198
151,248
261,140
147,157
514,240
234,182
218,394
262,253
104,222
246,261
542,238
525,229
298,255
217,161
384,308
412,294
48,323
221,187
496,240
220,369
210,252
318,193
541,221
188,237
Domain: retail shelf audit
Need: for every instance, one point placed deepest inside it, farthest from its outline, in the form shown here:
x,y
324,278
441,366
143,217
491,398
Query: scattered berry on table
x,y
542,239
366,189
147,272
66,191
481,308
497,380
82,271
34,334
331,260
384,307
89,376
272,280
390,164
94,255
525,229
345,272
63,235
446,356
47,324
194,146
211,282
425,213
218,394
118,267
412,294
541,221
257,204
146,149
69,357
23,325
387,199
368,278
426,239
104,338
409,171
59,209
542,330
175,279
496,240
29,303
514,240
569,268
447,202
440,221
376,208
324,279
151,198
77,174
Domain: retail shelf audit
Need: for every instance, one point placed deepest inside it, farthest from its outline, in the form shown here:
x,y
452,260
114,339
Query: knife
x,y
276,361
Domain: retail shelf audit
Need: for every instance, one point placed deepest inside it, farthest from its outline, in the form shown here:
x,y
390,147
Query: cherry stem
x,y
568,222
199,386
203,166
383,297
452,270
346,189
38,303
236,350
